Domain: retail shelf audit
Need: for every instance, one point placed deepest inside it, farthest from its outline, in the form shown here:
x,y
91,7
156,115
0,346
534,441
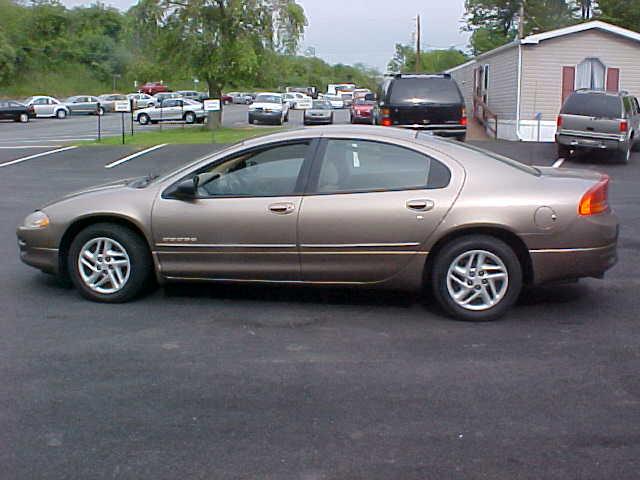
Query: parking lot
x,y
249,382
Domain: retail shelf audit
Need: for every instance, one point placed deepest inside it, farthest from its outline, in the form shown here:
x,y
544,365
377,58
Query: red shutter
x,y
613,79
568,81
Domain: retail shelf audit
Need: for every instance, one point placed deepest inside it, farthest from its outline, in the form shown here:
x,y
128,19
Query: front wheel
x,y
190,117
476,278
109,263
23,118
624,156
61,114
143,119
251,120
100,112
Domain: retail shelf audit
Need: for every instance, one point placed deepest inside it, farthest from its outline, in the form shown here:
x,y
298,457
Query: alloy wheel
x,y
104,265
477,280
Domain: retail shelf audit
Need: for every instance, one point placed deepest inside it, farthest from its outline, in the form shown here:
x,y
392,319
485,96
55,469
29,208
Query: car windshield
x,y
424,90
27,100
321,105
593,105
268,99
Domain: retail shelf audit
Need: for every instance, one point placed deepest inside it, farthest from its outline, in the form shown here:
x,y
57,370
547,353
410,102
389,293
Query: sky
x,y
366,31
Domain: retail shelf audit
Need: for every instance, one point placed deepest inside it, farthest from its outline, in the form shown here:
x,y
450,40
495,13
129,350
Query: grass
x,y
187,135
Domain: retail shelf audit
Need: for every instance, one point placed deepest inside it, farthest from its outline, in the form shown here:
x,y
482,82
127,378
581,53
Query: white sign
x,y
121,106
212,105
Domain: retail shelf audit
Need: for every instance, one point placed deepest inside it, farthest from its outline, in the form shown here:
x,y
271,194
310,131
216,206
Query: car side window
x,y
361,166
628,108
269,172
636,107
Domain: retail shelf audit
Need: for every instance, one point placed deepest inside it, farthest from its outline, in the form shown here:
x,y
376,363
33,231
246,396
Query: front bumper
x,y
318,120
551,265
266,116
35,250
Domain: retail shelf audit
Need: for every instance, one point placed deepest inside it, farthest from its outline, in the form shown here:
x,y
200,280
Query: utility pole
x,y
418,44
521,21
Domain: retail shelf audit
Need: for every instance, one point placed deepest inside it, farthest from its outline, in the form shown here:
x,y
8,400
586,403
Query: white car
x,y
269,107
141,100
44,106
335,101
298,101
173,109
162,97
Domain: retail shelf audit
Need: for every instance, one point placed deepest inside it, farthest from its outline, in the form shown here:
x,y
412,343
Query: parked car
x,y
45,106
343,205
86,104
270,108
172,109
160,98
226,98
141,100
297,101
151,88
336,101
599,120
242,98
361,111
16,111
193,95
108,101
426,102
319,113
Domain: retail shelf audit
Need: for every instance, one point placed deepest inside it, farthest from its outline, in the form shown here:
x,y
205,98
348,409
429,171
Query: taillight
x,y
463,121
386,122
559,121
624,126
385,111
596,199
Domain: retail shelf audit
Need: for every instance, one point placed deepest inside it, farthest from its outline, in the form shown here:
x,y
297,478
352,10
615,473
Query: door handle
x,y
282,208
421,205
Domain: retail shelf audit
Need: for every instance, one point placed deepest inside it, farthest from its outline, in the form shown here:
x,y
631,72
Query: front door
x,y
242,225
370,208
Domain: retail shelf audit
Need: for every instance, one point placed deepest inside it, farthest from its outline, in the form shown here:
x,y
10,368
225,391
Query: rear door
x,y
370,207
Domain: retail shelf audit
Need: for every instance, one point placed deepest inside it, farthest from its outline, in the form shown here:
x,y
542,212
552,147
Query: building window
x,y
590,74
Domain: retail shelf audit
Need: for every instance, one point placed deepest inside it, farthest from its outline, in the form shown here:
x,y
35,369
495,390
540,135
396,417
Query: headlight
x,y
36,220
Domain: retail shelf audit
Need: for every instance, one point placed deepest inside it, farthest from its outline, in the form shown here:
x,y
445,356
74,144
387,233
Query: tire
x,y
23,118
190,117
129,280
251,120
286,117
331,119
564,152
499,258
624,156
100,112
61,114
143,119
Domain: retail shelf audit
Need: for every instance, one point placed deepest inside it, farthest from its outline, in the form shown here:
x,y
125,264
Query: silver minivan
x,y
598,120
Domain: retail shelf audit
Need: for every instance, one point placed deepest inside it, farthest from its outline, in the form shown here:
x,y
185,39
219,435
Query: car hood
x,y
273,106
113,185
318,110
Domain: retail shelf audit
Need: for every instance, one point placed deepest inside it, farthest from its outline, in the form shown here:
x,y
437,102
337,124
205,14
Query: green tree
x,y
431,61
624,13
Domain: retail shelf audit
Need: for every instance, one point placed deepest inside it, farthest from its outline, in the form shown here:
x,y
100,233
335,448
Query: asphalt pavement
x,y
246,382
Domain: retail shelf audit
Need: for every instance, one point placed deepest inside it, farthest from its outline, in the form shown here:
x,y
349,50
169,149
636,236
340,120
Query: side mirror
x,y
187,188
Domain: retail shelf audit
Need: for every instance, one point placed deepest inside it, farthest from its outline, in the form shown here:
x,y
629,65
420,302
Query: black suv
x,y
427,102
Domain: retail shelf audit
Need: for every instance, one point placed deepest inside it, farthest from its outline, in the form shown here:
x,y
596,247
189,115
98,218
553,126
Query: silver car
x,y
141,100
162,97
320,112
108,100
599,120
86,104
171,110
343,206
45,106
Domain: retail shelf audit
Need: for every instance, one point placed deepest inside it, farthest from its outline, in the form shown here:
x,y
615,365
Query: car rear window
x,y
424,90
593,105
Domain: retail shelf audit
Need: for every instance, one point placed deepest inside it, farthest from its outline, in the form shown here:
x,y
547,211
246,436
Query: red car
x,y
151,88
226,98
361,111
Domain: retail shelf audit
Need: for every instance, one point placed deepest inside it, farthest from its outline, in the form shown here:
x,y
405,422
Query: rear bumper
x,y
442,130
318,120
610,142
551,265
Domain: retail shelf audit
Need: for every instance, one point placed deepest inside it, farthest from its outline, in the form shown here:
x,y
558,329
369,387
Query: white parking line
x,y
137,154
558,163
24,159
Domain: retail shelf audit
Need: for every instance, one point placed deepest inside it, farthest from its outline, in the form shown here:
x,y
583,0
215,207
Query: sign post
x,y
211,106
122,106
99,122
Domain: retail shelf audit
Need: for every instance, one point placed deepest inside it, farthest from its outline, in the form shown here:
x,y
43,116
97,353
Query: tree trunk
x,y
214,119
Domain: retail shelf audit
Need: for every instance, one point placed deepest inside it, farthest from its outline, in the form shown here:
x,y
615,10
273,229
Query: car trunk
x,y
589,125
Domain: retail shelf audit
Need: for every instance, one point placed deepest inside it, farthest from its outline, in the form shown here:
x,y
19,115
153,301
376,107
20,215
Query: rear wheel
x,y
109,263
23,118
624,156
251,120
100,111
476,278
143,119
190,117
564,151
